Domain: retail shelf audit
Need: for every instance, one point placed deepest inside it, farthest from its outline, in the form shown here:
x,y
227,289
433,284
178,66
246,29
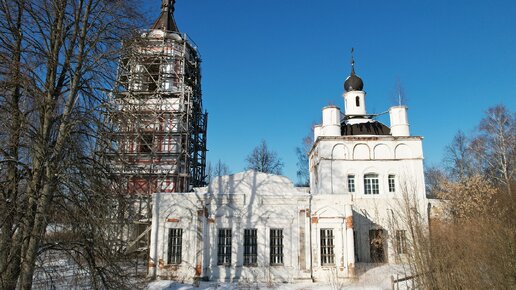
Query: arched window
x,y
357,100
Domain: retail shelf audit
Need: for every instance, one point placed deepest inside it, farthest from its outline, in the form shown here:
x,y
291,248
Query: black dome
x,y
368,128
353,83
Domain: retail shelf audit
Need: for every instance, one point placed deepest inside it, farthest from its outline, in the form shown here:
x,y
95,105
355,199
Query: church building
x,y
253,226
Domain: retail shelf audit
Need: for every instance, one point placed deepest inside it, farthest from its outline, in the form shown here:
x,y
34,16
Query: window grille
x,y
175,243
224,247
351,183
250,247
392,184
276,248
327,245
371,184
401,242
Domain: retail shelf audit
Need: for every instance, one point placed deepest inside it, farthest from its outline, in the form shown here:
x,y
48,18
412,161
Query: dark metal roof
x,y
166,19
353,83
369,128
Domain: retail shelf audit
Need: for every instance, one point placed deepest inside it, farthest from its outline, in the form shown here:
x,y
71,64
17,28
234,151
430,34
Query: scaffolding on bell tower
x,y
158,124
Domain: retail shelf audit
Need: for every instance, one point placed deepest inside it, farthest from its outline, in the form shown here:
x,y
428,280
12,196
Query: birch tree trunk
x,y
9,247
58,58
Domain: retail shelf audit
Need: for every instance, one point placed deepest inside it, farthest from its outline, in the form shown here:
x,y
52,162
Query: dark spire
x,y
352,62
166,19
353,82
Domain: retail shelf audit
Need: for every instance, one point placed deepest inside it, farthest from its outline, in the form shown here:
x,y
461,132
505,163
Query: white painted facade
x,y
348,215
248,200
334,160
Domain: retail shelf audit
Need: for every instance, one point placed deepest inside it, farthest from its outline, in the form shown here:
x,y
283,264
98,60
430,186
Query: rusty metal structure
x,y
159,126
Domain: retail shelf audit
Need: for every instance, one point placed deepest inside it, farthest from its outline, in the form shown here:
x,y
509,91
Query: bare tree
x,y
458,158
435,179
303,172
264,160
57,60
411,216
478,231
491,152
495,146
473,222
472,225
209,172
220,168
400,97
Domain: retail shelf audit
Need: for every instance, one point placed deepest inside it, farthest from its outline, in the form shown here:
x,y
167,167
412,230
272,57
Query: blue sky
x,y
269,66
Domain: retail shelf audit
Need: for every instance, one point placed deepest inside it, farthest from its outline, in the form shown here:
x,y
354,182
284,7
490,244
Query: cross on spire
x,y
352,61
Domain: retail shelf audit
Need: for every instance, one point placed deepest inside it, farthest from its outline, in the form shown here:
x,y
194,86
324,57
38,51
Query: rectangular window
x,y
401,242
146,144
327,254
250,247
175,242
351,183
276,247
224,247
371,184
392,184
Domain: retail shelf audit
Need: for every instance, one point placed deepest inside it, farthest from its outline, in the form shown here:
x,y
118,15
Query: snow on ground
x,y
370,277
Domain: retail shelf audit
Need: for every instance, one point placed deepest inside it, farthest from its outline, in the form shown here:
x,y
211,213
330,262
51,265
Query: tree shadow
x,y
245,192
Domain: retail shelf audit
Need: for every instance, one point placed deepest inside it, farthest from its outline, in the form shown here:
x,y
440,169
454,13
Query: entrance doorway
x,y
376,248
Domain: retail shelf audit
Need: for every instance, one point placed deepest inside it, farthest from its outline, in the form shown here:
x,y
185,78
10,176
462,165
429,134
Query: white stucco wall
x,y
258,201
333,159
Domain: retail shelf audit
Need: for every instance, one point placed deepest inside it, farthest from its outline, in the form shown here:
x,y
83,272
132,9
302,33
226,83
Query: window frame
x,y
175,246
401,242
391,182
224,252
327,246
351,183
371,184
145,143
276,247
250,247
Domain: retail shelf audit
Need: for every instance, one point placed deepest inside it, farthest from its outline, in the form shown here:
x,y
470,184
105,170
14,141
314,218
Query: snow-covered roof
x,y
253,182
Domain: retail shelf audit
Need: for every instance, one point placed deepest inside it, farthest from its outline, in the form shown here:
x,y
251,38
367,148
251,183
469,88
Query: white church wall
x,y
175,211
248,200
400,158
361,151
333,169
382,151
263,214
329,213
402,151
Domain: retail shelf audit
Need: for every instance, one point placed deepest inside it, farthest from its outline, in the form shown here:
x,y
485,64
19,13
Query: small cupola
x,y
353,82
354,95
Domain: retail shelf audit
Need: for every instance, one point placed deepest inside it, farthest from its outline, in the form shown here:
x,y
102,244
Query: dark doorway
x,y
356,245
376,242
